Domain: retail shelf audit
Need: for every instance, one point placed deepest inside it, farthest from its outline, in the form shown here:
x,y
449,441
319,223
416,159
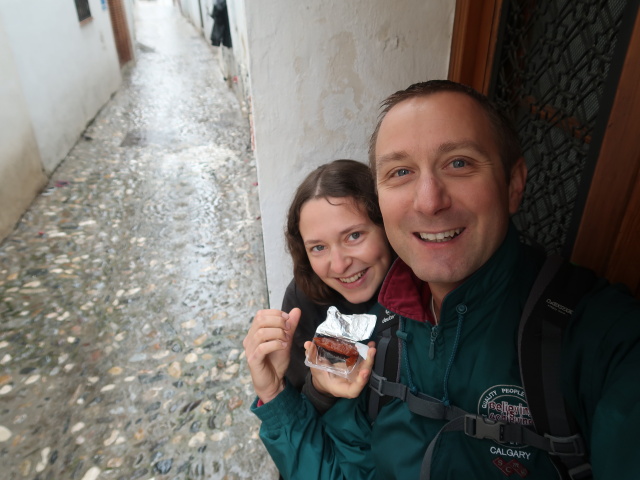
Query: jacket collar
x,y
405,294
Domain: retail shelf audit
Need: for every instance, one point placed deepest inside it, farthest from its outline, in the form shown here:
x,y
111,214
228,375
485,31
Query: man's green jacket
x,y
470,360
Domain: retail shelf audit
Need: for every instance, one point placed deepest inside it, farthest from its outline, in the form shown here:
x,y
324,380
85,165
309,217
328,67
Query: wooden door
x,y
120,31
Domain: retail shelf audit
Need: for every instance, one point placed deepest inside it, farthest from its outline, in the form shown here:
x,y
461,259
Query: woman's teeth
x,y
352,278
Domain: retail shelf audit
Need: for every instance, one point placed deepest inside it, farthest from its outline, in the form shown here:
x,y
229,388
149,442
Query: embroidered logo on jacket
x,y
505,403
557,307
511,467
388,316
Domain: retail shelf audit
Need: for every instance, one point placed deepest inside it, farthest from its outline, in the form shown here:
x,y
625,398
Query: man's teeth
x,y
352,278
440,237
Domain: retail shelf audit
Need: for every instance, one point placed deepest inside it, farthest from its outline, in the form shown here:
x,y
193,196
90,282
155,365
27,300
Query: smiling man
x,y
443,191
450,173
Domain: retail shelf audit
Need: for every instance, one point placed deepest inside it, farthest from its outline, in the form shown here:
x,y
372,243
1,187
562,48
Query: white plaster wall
x,y
318,71
191,10
68,71
21,175
224,57
207,9
238,64
238,26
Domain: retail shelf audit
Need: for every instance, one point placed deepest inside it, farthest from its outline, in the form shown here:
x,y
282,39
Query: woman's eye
x,y
355,235
459,163
317,248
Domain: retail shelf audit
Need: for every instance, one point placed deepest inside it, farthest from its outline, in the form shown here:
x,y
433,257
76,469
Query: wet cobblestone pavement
x,y
127,287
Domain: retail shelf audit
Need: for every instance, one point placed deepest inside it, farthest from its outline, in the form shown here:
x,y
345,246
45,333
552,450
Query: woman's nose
x,y
340,260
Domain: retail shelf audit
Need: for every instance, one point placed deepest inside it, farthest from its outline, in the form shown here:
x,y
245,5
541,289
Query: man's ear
x,y
517,181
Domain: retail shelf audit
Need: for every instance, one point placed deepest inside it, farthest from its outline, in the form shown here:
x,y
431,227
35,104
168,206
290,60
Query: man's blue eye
x,y
459,163
402,172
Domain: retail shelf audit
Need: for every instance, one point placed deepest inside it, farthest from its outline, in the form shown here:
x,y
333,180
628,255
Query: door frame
x,y
475,33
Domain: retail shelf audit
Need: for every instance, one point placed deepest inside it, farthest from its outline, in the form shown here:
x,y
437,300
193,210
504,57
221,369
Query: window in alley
x,y
83,9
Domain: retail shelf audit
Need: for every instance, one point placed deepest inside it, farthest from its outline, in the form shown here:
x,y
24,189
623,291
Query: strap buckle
x,y
581,472
375,383
566,446
481,427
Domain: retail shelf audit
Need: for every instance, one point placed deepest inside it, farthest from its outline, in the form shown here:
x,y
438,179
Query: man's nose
x,y
431,195
340,260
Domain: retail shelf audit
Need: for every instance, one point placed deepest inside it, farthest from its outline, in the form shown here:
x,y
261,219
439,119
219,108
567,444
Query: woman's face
x,y
346,249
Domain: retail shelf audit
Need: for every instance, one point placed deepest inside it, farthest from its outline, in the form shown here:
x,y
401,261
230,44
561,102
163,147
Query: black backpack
x,y
557,290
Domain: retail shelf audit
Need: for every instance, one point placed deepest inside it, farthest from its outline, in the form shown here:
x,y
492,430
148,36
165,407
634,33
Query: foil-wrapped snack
x,y
337,342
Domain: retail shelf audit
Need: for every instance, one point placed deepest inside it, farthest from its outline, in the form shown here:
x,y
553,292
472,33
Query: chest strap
x,y
475,426
418,403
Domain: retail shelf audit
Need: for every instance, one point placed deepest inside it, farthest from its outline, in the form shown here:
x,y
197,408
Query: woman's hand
x,y
328,383
267,347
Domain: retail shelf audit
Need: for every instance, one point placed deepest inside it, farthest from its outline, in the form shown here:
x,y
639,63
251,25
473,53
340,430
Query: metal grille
x,y
552,67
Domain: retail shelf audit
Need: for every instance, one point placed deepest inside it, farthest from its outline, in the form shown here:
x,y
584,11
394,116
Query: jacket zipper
x,y
432,345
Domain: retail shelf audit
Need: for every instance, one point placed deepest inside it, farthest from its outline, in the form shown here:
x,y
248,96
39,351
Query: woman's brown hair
x,y
339,179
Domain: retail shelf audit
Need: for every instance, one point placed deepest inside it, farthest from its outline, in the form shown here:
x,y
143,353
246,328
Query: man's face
x,y
444,197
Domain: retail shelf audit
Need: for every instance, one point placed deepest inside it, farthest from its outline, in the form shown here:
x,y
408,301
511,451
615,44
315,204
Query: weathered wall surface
x,y
68,70
56,75
21,175
318,71
311,76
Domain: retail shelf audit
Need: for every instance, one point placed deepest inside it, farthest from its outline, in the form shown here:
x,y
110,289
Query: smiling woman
x,y
346,250
339,249
340,257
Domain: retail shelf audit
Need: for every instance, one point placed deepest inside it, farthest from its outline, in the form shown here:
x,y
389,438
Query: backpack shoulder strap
x,y
553,298
386,364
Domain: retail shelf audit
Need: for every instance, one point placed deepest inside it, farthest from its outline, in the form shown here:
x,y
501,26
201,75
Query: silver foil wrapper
x,y
354,328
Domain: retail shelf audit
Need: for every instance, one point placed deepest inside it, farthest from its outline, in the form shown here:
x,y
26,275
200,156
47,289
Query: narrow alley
x,y
127,287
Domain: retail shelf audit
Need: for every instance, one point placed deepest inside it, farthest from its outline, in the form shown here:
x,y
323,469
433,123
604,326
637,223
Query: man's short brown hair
x,y
505,135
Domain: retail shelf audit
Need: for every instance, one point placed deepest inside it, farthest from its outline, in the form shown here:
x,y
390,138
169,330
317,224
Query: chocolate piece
x,y
338,347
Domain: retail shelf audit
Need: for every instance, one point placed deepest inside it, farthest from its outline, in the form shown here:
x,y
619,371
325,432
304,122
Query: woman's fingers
x,y
267,345
267,325
269,334
263,349
270,318
310,351
338,386
371,355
